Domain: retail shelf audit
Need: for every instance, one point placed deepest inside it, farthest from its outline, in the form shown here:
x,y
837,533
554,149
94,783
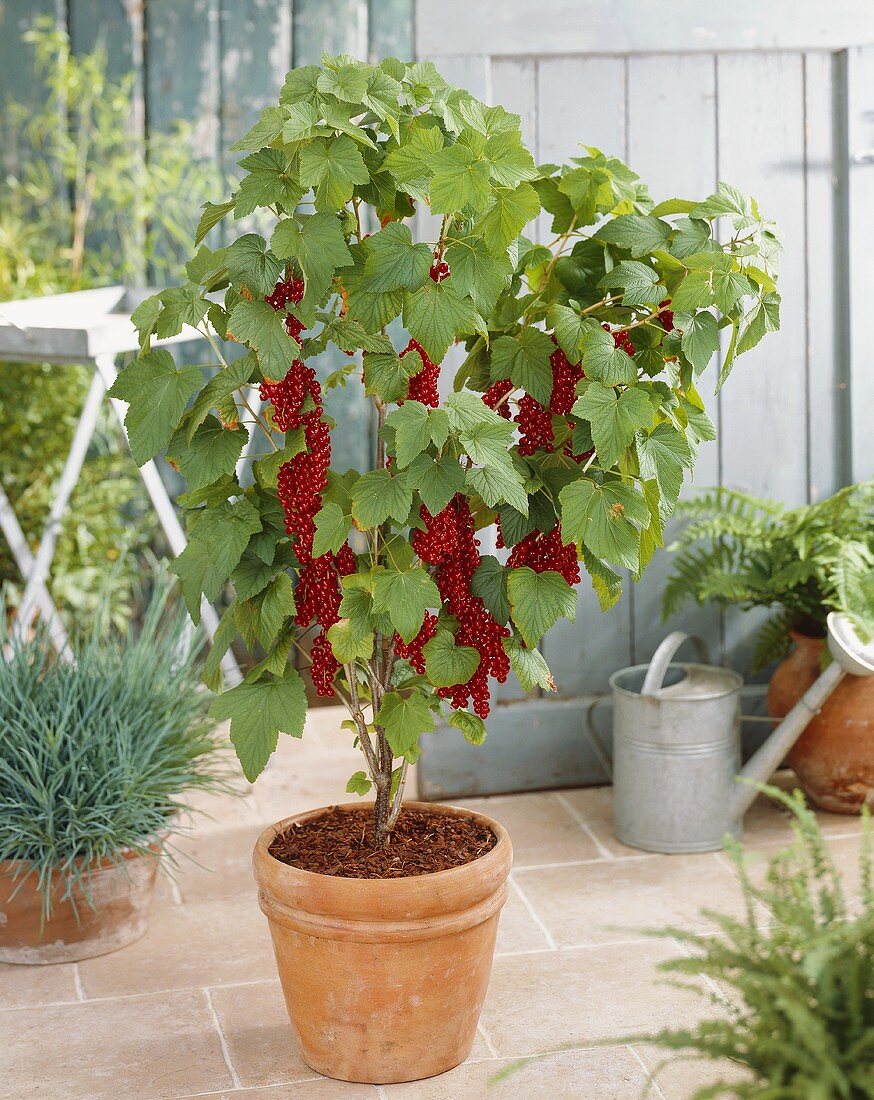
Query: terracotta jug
x,y
834,757
384,979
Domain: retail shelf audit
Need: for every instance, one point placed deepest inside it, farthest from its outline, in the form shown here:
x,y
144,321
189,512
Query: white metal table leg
x,y
167,517
39,571
25,560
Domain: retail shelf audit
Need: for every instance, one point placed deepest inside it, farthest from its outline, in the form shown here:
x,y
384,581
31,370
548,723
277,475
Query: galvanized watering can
x,y
677,749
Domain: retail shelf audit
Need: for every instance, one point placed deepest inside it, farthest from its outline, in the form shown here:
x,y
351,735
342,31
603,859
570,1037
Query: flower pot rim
x,y
501,850
800,636
154,840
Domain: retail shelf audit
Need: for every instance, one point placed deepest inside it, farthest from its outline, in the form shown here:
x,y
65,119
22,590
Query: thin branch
x,y
258,420
394,812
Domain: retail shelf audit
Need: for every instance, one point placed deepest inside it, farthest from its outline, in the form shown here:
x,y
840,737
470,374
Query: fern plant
x,y
800,1016
96,755
802,562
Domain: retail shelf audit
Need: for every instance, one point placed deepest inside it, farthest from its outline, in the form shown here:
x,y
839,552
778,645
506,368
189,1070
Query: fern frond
x,y
772,641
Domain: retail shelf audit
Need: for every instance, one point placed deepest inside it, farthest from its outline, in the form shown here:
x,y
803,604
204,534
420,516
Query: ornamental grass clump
x,y
97,756
798,971
570,428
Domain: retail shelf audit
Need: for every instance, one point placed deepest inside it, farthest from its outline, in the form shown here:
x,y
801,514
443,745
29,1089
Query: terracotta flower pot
x,y
834,757
121,894
384,979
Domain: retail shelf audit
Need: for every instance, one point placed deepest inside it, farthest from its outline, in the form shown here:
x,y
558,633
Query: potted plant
x,y
797,968
806,562
98,751
571,424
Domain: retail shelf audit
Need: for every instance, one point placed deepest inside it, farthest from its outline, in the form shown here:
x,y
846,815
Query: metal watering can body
x,y
677,748
676,752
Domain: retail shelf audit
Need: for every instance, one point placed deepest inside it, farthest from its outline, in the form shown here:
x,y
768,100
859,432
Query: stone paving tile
x,y
518,930
541,828
594,807
218,863
320,1089
613,1074
201,944
139,1048
580,996
603,902
33,985
681,1077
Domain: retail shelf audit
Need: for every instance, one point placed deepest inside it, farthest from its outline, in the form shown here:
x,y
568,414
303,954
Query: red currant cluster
x,y
318,598
541,552
533,418
423,385
412,651
291,290
439,269
621,339
666,316
449,544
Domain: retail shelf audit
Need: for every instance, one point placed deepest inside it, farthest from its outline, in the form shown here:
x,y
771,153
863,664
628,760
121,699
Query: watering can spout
x,y
850,655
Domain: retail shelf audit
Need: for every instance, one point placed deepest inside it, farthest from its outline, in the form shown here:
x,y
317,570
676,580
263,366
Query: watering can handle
x,y
663,656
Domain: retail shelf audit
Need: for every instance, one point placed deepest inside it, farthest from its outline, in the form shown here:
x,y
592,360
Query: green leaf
x,y
405,596
271,179
221,643
394,262
603,361
434,315
258,325
437,481
332,530
538,601
673,206
606,584
663,455
446,663
640,234
529,666
725,200
358,784
614,419
332,166
251,575
347,82
509,161
471,725
251,264
404,720
700,339
145,318
211,452
275,604
460,180
477,272
213,212
466,410
388,375
156,390
507,216
570,328
524,359
377,496
348,644
411,433
729,287
265,131
409,163
603,518
259,712
489,442
318,245
489,582
182,305
499,484
639,283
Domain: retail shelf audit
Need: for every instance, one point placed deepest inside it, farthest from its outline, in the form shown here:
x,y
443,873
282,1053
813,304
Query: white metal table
x,y
84,327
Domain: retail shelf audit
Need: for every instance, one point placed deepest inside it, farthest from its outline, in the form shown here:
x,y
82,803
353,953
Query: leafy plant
x,y
573,419
96,755
809,561
800,1012
84,204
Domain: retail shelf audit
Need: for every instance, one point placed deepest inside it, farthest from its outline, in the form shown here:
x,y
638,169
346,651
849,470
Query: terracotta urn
x,y
384,979
834,757
113,913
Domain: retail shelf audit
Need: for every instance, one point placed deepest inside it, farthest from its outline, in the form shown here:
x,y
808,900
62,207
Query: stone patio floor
x,y
194,1008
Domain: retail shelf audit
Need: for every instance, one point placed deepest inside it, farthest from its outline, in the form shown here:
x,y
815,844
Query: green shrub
x,y
800,979
91,207
806,561
96,755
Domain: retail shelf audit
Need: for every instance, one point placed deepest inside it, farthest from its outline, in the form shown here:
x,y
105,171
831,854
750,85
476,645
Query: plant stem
x,y
258,420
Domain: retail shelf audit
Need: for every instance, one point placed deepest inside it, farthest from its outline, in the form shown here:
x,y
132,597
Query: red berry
x,y
423,385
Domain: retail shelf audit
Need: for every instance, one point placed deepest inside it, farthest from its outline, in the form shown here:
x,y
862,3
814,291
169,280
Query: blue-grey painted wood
x,y
860,281
117,24
389,29
581,101
675,95
548,27
329,26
